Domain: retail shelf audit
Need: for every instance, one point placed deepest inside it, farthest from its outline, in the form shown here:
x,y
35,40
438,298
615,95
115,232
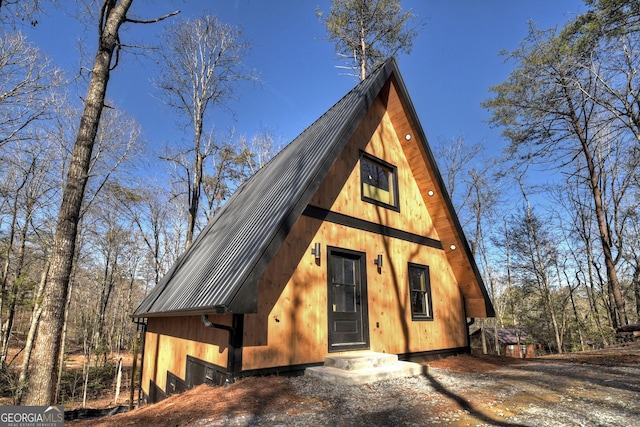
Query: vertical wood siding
x,y
291,324
170,339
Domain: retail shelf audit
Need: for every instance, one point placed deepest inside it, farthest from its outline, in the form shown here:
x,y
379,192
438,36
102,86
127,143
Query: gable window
x,y
379,181
420,289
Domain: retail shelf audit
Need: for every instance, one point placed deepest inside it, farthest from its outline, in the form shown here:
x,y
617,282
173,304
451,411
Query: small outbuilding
x,y
513,342
345,242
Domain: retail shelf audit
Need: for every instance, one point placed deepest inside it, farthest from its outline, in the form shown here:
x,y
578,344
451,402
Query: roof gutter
x,y
234,346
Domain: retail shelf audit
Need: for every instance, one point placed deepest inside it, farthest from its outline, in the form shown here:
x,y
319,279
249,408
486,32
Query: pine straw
x,y
252,396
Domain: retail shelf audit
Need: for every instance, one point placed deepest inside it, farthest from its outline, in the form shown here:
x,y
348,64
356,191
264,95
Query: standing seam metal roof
x,y
219,271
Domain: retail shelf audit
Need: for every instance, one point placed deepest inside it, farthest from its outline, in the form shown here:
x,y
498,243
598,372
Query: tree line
x,y
553,219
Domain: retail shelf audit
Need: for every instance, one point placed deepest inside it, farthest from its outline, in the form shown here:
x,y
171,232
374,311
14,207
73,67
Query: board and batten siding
x,y
291,325
169,340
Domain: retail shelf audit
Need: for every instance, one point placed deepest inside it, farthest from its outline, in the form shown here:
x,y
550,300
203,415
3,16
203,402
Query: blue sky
x,y
455,59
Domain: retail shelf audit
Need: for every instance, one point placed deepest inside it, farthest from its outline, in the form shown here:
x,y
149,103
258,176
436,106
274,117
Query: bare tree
x,y
27,87
536,251
33,189
467,178
46,356
13,12
457,159
148,210
201,62
259,150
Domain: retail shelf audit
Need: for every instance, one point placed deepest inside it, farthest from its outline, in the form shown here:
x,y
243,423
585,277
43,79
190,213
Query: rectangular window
x,y
344,276
379,181
420,288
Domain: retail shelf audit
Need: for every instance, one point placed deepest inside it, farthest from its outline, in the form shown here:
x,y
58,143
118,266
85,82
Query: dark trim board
x,y
202,372
286,371
426,356
372,227
155,393
175,384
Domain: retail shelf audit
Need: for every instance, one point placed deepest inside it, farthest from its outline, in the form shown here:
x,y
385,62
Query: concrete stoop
x,y
364,368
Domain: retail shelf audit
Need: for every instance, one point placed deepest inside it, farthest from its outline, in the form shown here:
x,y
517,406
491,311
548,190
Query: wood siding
x,y
340,191
169,340
291,324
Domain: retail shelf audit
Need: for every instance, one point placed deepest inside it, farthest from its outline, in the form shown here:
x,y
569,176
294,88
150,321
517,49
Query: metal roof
x,y
219,272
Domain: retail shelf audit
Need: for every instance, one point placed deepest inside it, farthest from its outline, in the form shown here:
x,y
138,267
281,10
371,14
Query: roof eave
x,y
218,309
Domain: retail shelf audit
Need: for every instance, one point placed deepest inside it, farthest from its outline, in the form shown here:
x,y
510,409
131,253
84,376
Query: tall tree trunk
x,y
590,279
578,321
63,340
363,47
33,328
108,282
194,194
46,356
14,294
542,276
604,233
554,319
636,287
17,273
510,285
5,273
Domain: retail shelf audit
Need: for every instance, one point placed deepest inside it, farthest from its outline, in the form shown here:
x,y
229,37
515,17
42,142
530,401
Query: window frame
x,y
392,178
425,293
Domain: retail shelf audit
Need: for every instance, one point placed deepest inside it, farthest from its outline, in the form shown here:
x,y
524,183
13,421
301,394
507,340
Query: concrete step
x,y
364,368
351,362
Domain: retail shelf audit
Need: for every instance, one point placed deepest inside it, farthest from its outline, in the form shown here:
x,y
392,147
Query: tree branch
x,y
151,21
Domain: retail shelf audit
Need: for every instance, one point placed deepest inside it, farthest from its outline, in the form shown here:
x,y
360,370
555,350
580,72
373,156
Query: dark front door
x,y
347,300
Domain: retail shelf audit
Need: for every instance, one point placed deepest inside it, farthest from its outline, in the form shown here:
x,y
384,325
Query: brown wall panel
x,y
340,192
170,340
291,324
292,327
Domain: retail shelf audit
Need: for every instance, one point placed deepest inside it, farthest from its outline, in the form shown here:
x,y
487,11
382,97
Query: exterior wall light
x,y
316,251
430,193
407,137
378,262
452,247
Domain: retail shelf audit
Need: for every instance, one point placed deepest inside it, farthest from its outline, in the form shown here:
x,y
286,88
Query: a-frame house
x,y
346,241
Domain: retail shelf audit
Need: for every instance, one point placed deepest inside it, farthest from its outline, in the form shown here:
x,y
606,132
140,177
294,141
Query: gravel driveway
x,y
544,394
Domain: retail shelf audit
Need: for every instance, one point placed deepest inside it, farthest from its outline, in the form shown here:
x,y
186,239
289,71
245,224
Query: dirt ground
x,y
584,389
